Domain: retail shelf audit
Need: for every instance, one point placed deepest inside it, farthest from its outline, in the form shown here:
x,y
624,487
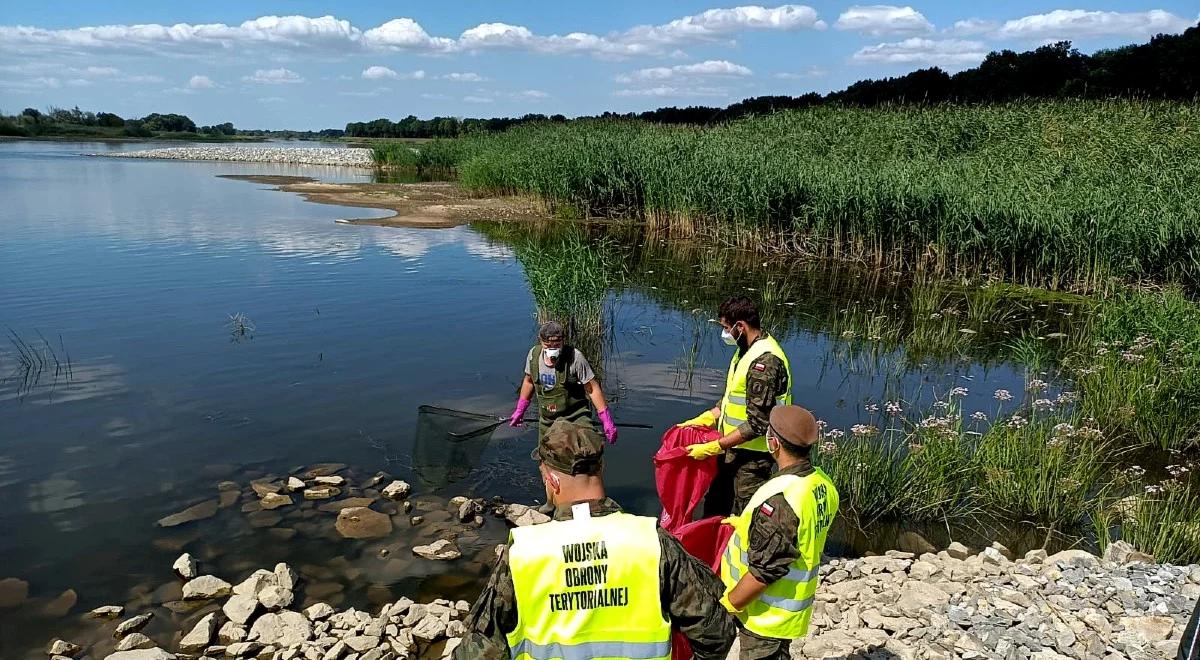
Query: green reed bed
x,y
1056,193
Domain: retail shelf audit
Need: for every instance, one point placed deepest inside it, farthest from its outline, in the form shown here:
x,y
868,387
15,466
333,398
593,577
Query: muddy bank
x,y
428,205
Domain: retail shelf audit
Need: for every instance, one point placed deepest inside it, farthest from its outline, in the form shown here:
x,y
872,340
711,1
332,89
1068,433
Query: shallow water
x,y
132,268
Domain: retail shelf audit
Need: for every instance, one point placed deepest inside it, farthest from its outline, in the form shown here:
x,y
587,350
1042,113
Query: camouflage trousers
x,y
754,647
739,473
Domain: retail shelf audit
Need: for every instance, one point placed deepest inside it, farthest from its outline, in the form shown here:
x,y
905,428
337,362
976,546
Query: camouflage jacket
x,y
765,383
688,590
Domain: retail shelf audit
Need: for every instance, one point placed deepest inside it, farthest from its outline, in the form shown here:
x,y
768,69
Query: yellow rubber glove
x,y
706,419
705,450
728,605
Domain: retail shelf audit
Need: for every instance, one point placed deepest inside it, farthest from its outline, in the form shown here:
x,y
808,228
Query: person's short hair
x,y
795,451
739,308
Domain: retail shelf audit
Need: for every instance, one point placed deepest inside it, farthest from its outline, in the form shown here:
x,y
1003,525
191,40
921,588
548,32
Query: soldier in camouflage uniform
x,y
686,595
758,384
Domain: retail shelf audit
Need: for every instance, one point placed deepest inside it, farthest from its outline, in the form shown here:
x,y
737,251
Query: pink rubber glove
x,y
610,429
518,415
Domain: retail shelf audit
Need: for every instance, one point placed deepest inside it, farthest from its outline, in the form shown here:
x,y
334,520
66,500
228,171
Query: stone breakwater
x,y
341,157
954,604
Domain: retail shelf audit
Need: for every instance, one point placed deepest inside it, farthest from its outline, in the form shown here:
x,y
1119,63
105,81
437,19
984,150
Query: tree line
x,y
32,122
1168,67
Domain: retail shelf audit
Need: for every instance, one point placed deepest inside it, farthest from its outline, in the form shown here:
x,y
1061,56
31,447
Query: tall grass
x,y
1054,193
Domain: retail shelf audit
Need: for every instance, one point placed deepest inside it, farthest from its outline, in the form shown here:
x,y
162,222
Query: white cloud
x,y
1079,24
877,20
531,95
279,76
973,26
378,91
716,24
272,99
102,71
384,73
478,99
200,82
404,34
661,91
950,53
338,36
284,30
809,72
462,77
435,97
710,68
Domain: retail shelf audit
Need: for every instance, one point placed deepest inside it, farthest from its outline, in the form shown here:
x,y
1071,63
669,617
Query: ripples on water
x,y
138,265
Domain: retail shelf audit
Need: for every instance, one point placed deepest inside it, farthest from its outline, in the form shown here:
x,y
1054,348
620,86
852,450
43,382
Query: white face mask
x,y
728,338
552,353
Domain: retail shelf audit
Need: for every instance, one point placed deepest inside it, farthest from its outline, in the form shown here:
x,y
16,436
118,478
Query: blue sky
x,y
311,65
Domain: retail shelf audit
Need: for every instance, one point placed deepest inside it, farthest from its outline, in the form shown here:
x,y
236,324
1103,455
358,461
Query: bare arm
x,y
746,591
526,388
595,394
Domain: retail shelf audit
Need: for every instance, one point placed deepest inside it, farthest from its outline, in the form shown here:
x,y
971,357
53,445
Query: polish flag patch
x,y
766,509
759,366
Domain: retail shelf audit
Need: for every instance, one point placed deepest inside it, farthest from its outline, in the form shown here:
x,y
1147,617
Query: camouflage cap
x,y
571,449
794,425
550,329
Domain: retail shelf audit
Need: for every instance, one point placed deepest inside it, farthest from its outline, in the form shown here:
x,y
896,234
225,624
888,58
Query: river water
x,y
128,271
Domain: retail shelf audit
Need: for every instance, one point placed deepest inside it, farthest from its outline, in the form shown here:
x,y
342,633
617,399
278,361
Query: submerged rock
x,y
272,501
363,523
332,480
13,592
61,605
336,507
206,509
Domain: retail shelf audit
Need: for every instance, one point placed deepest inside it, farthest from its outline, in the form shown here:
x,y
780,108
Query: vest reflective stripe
x,y
588,589
733,404
589,650
784,609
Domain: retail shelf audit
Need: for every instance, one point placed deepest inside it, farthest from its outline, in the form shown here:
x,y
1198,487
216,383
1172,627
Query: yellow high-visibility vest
x,y
733,404
588,589
785,608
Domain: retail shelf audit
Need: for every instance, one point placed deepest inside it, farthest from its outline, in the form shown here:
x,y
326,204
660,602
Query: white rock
x,y
142,654
336,651
332,480
362,643
201,634
958,550
231,633
1148,629
451,644
239,608
253,584
397,490
283,629
293,485
442,549
917,597
429,628
275,598
132,624
134,641
285,577
206,587
63,647
319,611
107,612
185,566
242,649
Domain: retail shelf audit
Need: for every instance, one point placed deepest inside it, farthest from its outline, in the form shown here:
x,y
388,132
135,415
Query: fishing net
x,y
449,444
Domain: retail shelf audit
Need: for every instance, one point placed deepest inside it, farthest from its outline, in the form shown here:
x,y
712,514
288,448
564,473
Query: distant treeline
x,y
1168,67
73,121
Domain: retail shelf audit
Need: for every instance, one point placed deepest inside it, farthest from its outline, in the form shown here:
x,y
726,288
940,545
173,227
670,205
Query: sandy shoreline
x,y
425,205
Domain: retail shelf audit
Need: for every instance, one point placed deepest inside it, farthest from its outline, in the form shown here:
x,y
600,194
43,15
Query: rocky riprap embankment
x,y
959,605
252,620
343,157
